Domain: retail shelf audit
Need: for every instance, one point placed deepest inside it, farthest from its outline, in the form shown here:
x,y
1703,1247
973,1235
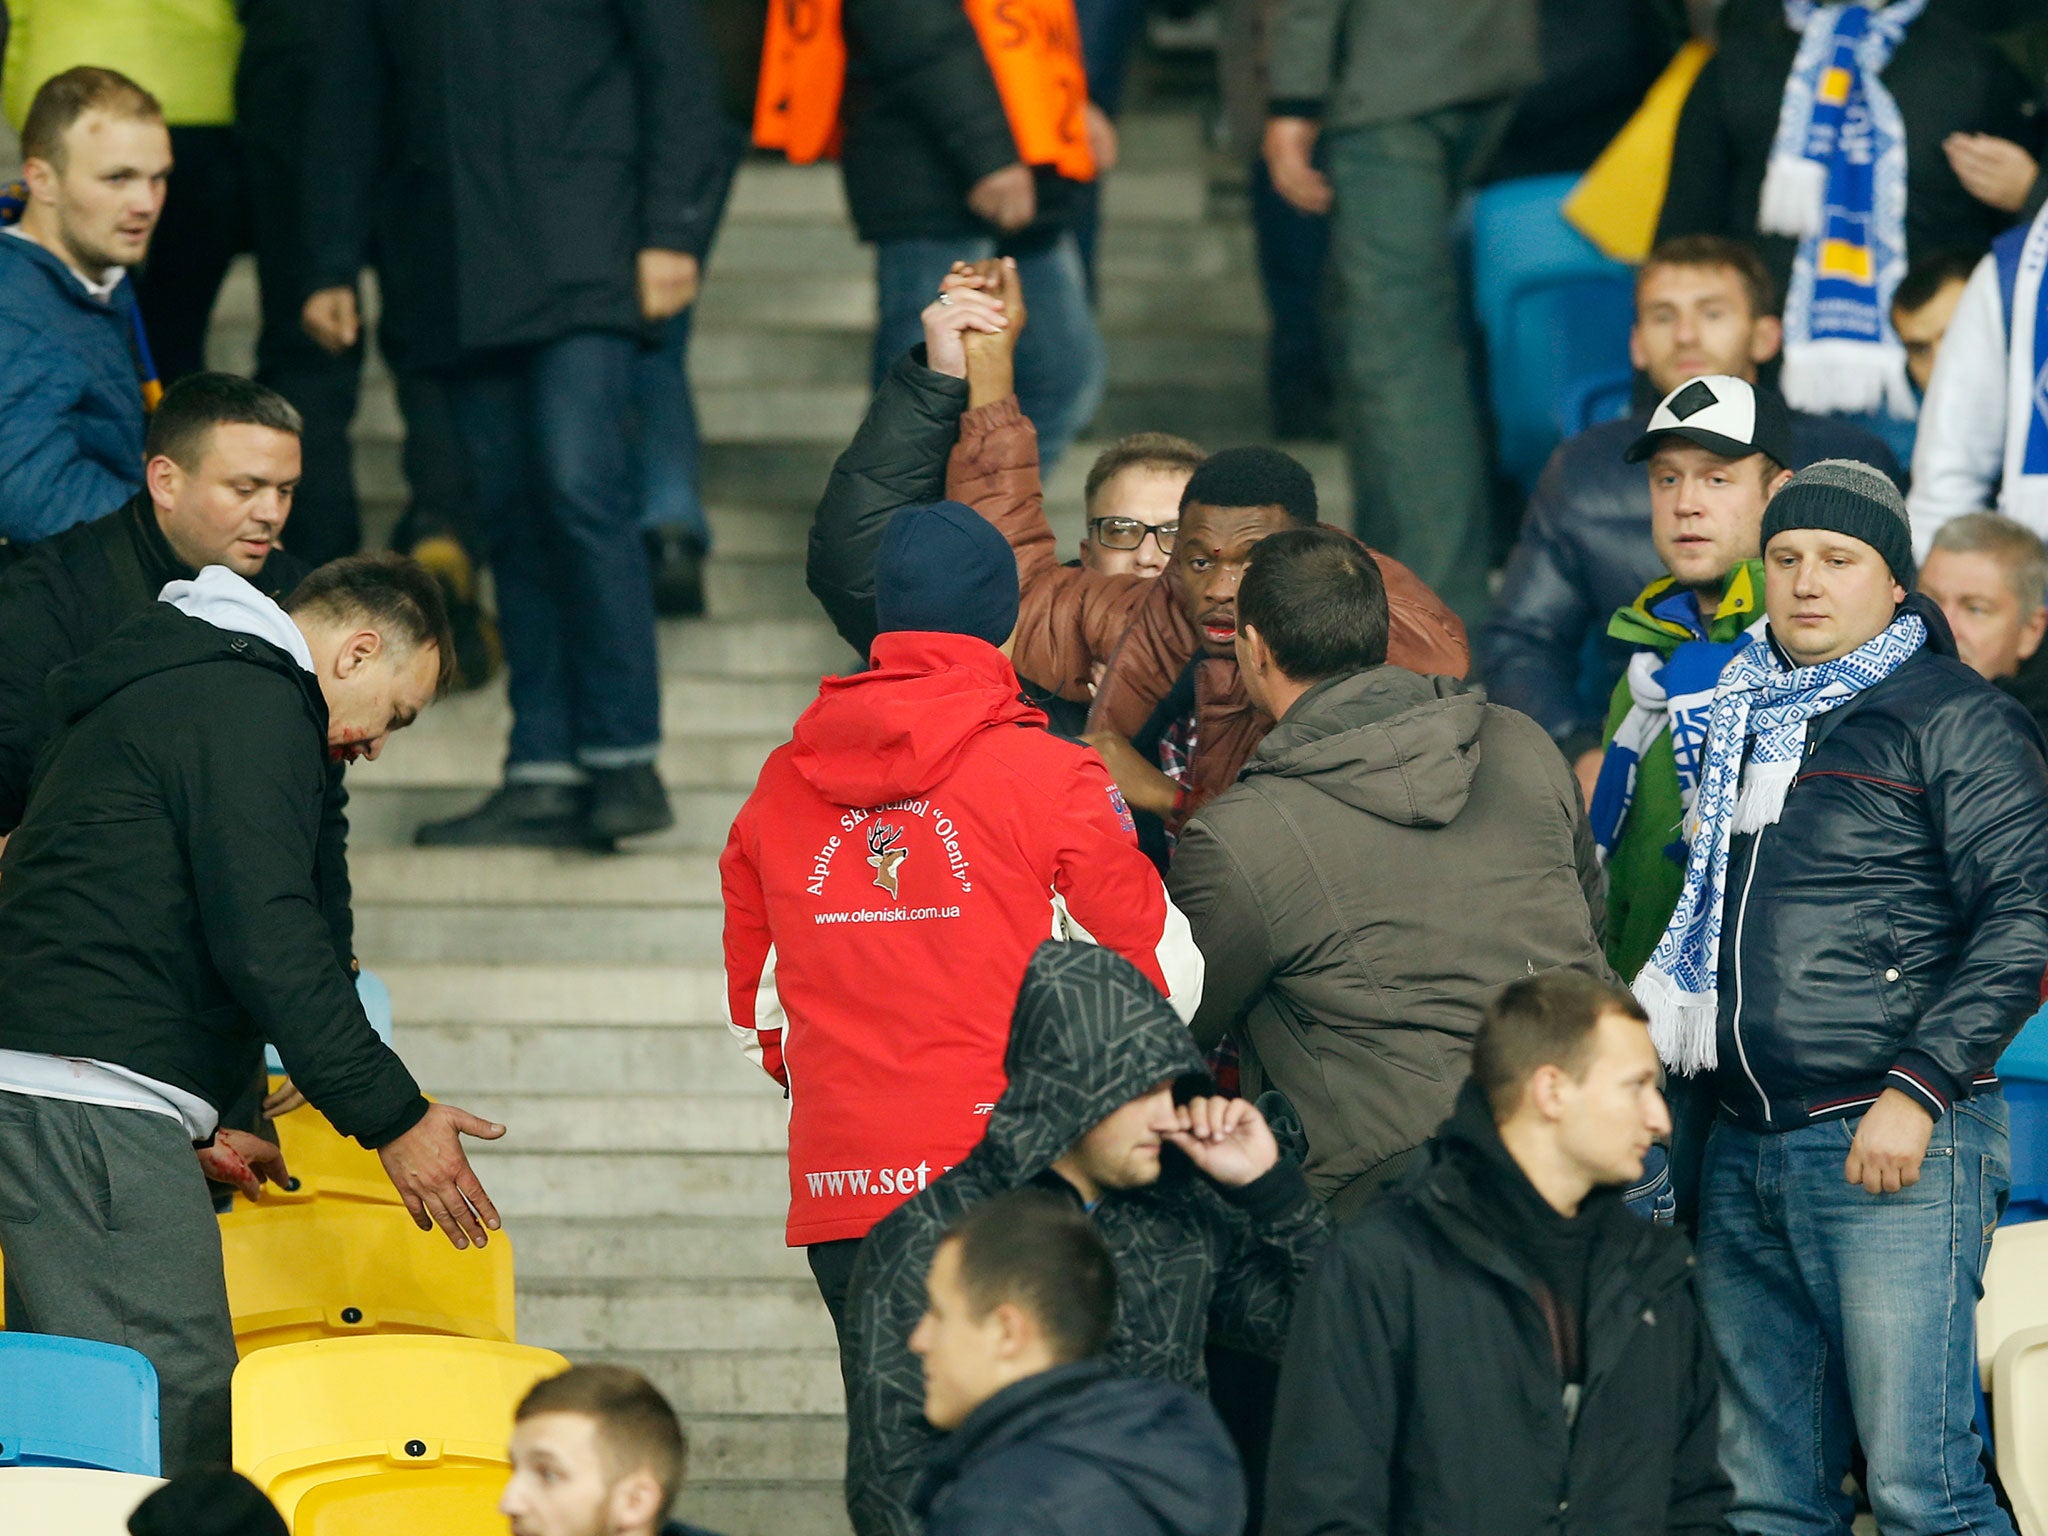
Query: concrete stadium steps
x,y
578,998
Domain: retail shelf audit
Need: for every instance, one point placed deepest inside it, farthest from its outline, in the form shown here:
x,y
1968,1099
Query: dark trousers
x,y
832,1267
1294,250
558,499
108,1234
1419,465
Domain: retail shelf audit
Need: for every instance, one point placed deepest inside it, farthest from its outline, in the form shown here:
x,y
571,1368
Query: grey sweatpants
x,y
108,1234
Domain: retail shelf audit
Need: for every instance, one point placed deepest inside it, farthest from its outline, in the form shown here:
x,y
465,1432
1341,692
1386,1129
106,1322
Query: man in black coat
x,y
1497,1346
934,175
1860,937
221,477
1043,1437
1211,1232
221,466
1946,79
542,178
160,920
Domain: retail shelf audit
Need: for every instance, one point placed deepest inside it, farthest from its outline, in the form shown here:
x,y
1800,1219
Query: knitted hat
x,y
1847,496
1724,415
944,567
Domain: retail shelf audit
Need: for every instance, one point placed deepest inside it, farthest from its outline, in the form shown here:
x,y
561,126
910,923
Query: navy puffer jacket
x,y
1891,928
1081,1451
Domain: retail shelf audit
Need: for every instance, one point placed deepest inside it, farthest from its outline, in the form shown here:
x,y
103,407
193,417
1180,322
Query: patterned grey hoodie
x,y
1194,1259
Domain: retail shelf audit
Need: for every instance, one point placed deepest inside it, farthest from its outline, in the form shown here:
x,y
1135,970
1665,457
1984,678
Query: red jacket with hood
x,y
885,885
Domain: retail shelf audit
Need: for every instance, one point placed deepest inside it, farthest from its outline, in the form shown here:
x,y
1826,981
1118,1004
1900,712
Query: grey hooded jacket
x,y
1193,1259
1397,850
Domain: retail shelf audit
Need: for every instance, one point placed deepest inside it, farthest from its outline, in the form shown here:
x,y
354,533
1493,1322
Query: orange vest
x,y
1033,49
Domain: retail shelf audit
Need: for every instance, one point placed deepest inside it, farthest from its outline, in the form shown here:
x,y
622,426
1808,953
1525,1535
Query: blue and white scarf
x,y
1836,181
1755,745
1675,695
2022,261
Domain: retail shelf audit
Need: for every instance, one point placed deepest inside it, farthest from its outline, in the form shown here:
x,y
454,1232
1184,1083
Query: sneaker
x,y
677,563
517,816
627,802
478,654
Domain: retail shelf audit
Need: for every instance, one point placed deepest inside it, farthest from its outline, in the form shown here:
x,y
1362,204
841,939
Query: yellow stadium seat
x,y
2015,1293
324,1162
71,1501
404,1416
447,1501
2020,1423
321,1269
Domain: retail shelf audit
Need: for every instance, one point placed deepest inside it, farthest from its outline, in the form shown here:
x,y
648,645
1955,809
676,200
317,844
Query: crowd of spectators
x,y
1340,1003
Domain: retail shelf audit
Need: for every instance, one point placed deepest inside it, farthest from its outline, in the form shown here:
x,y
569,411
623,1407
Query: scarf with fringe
x,y
1836,182
1756,741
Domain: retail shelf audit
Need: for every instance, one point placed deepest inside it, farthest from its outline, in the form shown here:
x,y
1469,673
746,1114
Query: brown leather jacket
x,y
1072,617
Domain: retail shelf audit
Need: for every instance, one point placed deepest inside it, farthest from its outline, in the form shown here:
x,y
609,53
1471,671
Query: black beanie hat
x,y
1850,497
944,568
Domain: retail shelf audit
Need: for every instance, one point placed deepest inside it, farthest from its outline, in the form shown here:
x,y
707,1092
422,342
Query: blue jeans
x,y
1843,1316
669,449
558,500
1061,365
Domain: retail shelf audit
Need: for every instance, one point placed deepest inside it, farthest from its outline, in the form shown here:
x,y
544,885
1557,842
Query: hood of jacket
x,y
163,639
898,729
1664,616
1089,1035
1387,741
1159,1443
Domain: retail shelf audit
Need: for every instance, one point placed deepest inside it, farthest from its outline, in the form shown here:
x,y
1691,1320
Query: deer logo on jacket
x,y
886,853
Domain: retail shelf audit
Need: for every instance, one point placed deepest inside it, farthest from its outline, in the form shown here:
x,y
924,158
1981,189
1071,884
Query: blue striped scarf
x,y
1755,744
1836,181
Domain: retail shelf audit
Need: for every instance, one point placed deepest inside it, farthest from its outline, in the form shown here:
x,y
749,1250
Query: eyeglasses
x,y
1129,533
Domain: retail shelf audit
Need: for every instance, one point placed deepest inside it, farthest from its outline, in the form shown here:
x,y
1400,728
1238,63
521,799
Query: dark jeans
x,y
670,449
1418,458
108,1234
1061,365
1294,251
558,502
1109,29
1843,1317
832,1267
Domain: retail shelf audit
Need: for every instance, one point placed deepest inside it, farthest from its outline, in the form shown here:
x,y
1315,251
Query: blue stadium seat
x,y
1555,313
2024,1069
77,1403
1597,398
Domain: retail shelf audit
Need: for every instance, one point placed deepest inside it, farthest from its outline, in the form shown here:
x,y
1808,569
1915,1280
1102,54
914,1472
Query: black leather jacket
x,y
1891,928
1585,551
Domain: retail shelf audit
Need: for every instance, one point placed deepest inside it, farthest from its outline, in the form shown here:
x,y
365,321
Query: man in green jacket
x,y
1716,448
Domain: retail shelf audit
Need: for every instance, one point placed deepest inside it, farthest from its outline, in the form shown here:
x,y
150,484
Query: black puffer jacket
x,y
1891,928
924,123
1584,552
1081,1451
1193,1258
157,906
1422,1393
897,459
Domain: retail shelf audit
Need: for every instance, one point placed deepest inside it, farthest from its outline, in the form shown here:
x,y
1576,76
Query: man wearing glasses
x,y
1133,503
